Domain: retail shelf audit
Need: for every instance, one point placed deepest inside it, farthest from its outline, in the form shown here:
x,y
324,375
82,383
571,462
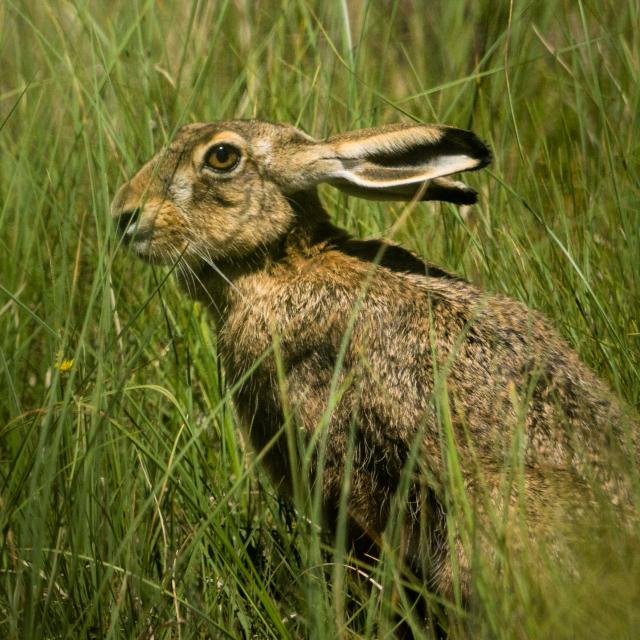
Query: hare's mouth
x,y
128,223
134,232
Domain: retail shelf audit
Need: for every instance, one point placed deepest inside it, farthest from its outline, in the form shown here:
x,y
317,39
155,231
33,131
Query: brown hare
x,y
396,360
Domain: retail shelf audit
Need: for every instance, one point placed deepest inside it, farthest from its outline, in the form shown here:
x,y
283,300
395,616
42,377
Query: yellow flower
x,y
63,364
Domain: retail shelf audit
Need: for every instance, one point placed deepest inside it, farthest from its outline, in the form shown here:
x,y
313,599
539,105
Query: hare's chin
x,y
161,255
144,249
153,258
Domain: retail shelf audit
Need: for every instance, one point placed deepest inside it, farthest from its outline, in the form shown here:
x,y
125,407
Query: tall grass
x,y
129,505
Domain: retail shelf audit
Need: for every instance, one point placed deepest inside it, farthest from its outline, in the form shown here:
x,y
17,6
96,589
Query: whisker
x,y
195,277
187,278
209,261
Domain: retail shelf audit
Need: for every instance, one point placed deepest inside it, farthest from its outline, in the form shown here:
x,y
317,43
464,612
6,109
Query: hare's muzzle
x,y
126,213
126,223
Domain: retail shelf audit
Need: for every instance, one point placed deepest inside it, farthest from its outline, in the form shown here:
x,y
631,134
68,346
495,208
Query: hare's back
x,y
391,338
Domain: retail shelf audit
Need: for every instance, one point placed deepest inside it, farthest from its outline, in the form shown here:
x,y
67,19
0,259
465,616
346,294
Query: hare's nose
x,y
127,222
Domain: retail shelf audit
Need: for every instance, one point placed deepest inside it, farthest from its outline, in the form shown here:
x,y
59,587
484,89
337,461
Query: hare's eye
x,y
222,157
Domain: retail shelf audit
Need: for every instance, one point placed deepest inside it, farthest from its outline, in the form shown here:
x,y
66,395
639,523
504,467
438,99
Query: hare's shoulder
x,y
377,283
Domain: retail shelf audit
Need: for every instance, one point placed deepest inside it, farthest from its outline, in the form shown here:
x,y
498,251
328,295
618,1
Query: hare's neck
x,y
311,230
311,226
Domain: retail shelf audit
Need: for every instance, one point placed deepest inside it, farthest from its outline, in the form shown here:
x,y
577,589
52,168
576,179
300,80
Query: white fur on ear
x,y
369,174
391,163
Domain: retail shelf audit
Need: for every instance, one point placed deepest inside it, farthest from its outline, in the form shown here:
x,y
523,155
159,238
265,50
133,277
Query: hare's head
x,y
225,190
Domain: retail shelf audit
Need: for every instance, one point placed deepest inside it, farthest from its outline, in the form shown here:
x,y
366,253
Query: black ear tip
x,y
467,142
464,196
468,196
480,150
485,156
455,193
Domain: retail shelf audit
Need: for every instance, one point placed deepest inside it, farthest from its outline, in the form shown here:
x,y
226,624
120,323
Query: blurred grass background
x,y
129,507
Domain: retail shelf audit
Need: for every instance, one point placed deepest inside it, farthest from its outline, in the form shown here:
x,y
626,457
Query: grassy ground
x,y
129,506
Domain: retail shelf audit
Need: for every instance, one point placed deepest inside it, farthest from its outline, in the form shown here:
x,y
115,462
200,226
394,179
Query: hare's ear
x,y
402,162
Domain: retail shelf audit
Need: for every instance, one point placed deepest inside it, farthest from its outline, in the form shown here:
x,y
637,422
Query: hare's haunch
x,y
389,354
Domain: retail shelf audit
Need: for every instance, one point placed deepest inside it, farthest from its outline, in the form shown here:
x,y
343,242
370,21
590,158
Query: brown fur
x,y
256,246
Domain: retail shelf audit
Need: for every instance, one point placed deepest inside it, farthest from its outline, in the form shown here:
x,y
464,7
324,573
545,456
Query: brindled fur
x,y
255,245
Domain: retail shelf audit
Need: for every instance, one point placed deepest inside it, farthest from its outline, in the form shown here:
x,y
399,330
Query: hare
x,y
365,340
